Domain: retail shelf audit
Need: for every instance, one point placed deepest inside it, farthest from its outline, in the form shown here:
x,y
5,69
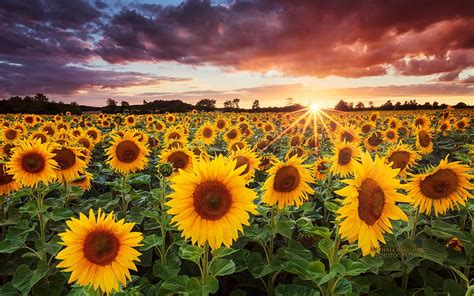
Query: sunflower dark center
x,y
65,158
393,124
11,134
174,135
220,123
322,167
207,133
345,156
400,159
33,162
212,200
424,138
48,130
179,159
371,201
419,122
127,151
4,177
101,247
93,134
237,146
366,128
375,140
232,134
286,179
295,141
29,119
461,124
241,161
333,126
84,142
390,135
440,184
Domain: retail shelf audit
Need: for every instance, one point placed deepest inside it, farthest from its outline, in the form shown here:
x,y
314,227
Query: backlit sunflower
x,y
127,154
180,158
211,203
462,123
31,163
321,168
288,183
424,143
342,162
70,162
99,251
206,134
442,188
248,159
7,183
401,157
369,204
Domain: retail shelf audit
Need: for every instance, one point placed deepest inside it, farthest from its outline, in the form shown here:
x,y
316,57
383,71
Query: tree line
x,y
389,105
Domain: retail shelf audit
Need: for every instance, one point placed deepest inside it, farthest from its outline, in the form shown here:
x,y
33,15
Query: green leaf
x,y
452,288
174,285
59,214
190,252
317,273
257,267
295,290
373,263
172,267
353,268
433,251
222,252
220,267
325,246
284,228
151,241
343,287
140,179
24,278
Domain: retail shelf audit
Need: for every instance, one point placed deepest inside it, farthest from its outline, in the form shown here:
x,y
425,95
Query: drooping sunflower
x,y
401,157
369,204
7,183
211,202
99,251
31,163
442,188
424,143
206,134
180,158
247,158
344,158
288,183
321,168
70,161
127,154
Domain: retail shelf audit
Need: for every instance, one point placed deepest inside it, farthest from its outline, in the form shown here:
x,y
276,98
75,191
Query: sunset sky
x,y
315,50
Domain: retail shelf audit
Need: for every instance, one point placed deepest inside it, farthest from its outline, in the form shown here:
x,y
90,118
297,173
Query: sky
x,y
308,50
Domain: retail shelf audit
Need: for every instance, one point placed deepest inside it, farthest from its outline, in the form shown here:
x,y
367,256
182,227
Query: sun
x,y
314,107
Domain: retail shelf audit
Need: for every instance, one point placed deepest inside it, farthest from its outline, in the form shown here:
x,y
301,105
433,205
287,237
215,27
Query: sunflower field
x,y
314,202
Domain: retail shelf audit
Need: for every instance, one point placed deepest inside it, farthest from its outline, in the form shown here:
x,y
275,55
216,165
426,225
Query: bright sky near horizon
x,y
367,50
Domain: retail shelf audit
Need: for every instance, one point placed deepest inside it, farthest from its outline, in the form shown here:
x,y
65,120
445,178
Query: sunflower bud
x,y
165,169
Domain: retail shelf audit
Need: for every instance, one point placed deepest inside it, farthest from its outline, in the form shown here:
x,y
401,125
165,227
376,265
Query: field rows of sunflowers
x,y
305,203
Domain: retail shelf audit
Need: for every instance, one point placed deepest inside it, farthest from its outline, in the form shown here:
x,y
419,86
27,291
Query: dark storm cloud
x,y
53,38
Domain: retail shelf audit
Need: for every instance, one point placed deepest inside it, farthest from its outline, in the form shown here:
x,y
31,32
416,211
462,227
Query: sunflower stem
x,y
163,221
124,193
415,222
39,196
271,276
205,268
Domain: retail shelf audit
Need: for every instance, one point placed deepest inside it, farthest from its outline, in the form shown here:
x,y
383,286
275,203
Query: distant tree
x,y
206,104
40,98
256,105
398,105
342,106
371,105
228,104
435,105
360,105
111,106
388,105
125,104
290,102
235,103
460,105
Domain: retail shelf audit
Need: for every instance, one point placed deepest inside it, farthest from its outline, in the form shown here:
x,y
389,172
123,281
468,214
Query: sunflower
x,y
10,135
83,181
180,158
211,203
424,144
462,123
127,154
367,127
288,183
421,122
7,183
373,141
174,133
248,159
444,126
206,134
391,135
31,163
348,134
401,157
321,167
94,134
239,145
232,135
130,120
70,162
444,187
221,124
344,158
369,204
99,251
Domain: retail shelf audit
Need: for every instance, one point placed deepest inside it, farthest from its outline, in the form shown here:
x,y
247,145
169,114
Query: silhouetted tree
x,y
228,104
290,102
342,106
206,104
235,103
256,105
360,105
460,105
